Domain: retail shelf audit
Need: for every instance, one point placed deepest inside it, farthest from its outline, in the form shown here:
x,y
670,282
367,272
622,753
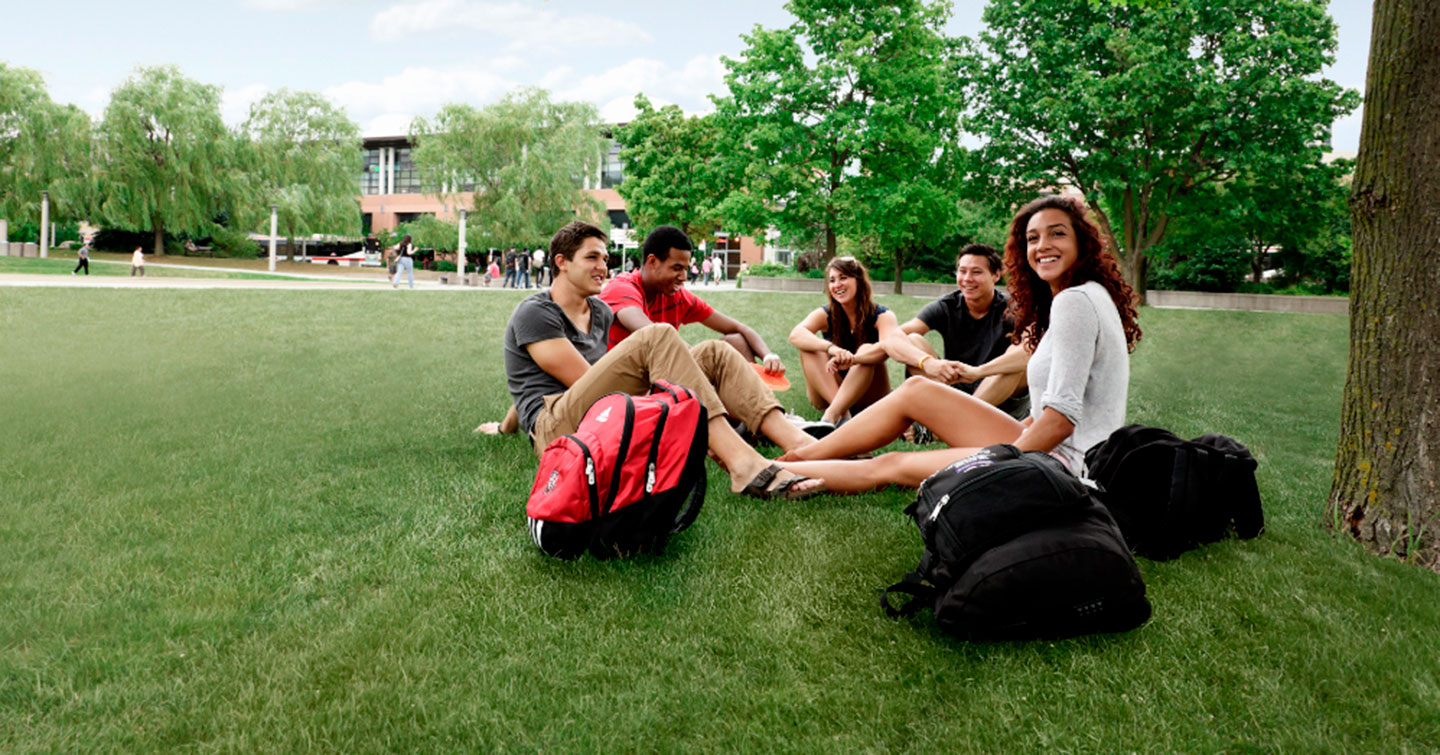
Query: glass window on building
x,y
407,178
370,179
612,169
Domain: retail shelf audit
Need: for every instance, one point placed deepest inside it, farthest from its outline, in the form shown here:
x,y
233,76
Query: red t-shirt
x,y
679,308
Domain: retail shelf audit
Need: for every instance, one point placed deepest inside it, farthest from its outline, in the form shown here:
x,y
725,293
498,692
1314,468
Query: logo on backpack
x,y
554,478
604,416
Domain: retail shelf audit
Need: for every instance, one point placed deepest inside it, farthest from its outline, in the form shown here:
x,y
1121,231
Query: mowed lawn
x,y
259,520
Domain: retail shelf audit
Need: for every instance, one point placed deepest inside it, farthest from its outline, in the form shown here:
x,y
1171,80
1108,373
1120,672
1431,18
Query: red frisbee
x,y
776,381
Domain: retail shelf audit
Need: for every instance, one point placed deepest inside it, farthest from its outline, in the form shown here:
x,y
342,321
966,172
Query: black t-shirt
x,y
858,336
967,339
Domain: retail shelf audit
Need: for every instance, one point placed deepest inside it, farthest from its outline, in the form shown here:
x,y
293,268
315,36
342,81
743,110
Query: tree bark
x,y
1384,491
899,271
158,249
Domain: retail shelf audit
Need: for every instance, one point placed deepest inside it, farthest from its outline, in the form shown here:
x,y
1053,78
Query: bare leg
x,y
956,418
743,462
919,342
895,468
785,435
819,384
856,384
739,343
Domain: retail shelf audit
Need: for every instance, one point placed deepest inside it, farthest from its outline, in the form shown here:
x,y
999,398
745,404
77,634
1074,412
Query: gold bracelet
x,y
921,365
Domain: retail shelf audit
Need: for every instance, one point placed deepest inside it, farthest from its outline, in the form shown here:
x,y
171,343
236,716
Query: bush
x,y
1218,265
228,242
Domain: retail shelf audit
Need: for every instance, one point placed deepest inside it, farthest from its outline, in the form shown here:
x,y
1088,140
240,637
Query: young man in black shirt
x,y
979,358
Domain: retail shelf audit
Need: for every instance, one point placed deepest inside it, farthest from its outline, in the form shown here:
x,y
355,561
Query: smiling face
x,y
975,279
587,271
1051,247
841,287
668,275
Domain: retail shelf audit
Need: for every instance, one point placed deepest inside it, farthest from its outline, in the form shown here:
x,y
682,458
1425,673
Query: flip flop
x,y
759,487
776,381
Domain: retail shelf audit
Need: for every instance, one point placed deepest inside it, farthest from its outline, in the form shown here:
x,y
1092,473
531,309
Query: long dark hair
x,y
1030,296
838,327
404,245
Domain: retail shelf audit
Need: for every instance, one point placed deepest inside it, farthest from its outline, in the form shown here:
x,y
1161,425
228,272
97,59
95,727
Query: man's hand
x,y
773,365
944,370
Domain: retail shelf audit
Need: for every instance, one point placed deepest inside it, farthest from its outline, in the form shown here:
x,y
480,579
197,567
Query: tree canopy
x,y
673,171
841,122
165,156
1136,104
525,157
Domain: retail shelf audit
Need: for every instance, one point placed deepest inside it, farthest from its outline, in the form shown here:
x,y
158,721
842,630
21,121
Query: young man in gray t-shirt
x,y
979,358
556,364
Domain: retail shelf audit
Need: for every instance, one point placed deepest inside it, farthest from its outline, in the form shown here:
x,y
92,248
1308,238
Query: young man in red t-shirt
x,y
655,293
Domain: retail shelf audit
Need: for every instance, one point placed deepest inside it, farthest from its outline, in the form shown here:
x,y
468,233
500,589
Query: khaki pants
x,y
714,370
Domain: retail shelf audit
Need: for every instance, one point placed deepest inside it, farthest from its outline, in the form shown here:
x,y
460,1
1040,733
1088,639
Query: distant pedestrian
x,y
705,269
492,272
694,270
404,262
84,259
522,269
137,263
537,261
510,268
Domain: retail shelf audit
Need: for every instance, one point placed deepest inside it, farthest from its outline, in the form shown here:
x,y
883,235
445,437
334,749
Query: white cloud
x,y
235,103
614,90
528,28
387,105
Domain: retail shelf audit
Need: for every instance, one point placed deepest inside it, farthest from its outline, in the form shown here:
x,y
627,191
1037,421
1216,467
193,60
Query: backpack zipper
x,y
589,477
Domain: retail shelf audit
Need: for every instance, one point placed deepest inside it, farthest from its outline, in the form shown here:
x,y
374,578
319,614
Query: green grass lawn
x,y
258,520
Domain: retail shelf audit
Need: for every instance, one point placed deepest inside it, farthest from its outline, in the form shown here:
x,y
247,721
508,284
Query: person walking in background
x,y
137,263
537,263
84,259
404,262
510,268
522,269
705,269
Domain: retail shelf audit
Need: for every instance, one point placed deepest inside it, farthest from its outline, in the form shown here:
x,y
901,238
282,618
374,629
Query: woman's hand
x,y
840,359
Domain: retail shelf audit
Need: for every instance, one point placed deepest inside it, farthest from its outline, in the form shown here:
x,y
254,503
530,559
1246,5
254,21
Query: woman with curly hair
x,y
839,343
1076,315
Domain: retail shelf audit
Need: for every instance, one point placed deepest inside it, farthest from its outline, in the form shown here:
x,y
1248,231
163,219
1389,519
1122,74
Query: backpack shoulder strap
x,y
921,595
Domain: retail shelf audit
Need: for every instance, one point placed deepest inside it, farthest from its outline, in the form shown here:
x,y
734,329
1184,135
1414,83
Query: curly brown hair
x,y
838,327
1030,296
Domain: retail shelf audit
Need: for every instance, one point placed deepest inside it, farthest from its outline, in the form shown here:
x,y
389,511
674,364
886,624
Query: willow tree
x,y
304,155
44,146
1386,490
165,156
1138,103
525,157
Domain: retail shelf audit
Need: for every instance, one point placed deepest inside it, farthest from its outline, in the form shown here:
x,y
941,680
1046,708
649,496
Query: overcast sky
x,y
386,62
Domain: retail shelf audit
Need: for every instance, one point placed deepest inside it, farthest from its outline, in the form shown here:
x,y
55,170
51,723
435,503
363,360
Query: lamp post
x,y
274,209
460,255
44,224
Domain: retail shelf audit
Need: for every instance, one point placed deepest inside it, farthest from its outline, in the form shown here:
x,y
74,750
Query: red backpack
x,y
630,476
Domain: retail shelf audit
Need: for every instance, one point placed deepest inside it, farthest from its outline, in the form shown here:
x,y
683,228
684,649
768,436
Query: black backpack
x,y
1170,495
1017,548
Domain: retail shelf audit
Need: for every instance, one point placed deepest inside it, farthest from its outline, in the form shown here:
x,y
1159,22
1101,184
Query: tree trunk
x,y
159,248
830,243
1387,466
1132,265
899,271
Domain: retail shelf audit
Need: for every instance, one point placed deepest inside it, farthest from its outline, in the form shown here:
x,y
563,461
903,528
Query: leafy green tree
x,y
673,171
525,157
165,156
1137,104
1387,461
44,146
304,155
843,122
